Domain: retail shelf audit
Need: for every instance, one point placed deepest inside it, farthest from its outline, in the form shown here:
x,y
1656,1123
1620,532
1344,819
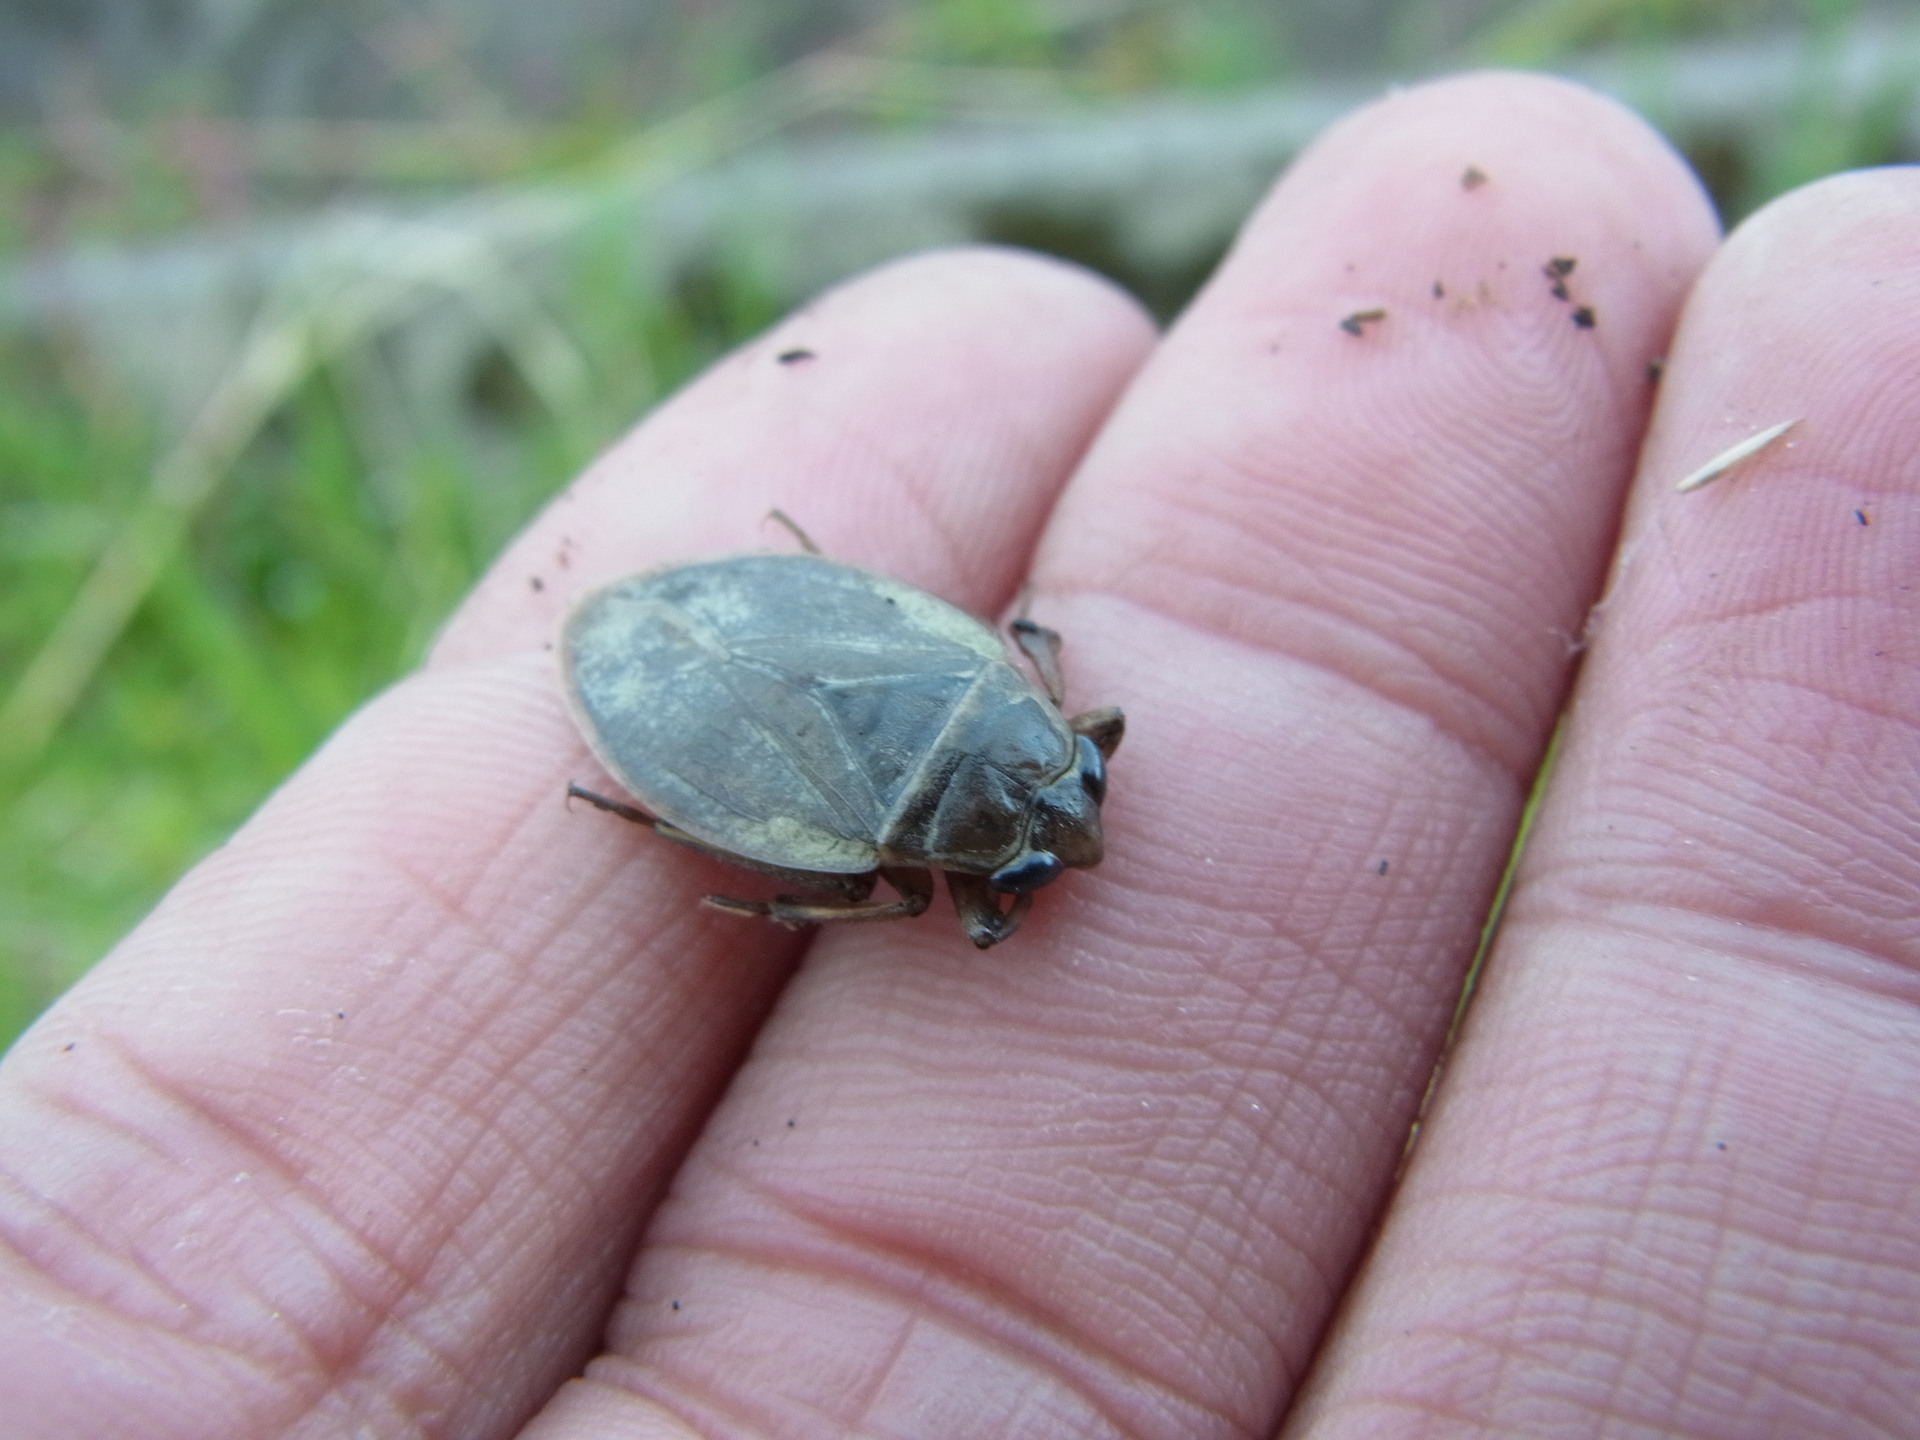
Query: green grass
x,y
318,572
338,515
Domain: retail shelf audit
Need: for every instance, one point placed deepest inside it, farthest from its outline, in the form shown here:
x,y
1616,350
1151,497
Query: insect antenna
x,y
806,540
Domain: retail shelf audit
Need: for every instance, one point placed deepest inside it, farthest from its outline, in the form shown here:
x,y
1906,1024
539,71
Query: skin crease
x,y
427,1092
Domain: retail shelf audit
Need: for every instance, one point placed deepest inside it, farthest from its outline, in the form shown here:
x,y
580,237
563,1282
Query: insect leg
x,y
1041,646
978,906
915,887
1104,727
806,540
612,807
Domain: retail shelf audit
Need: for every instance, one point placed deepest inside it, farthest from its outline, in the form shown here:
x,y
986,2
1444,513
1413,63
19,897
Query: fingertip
x,y
1028,284
1419,380
1845,235
1514,128
1487,160
1805,316
918,419
1873,207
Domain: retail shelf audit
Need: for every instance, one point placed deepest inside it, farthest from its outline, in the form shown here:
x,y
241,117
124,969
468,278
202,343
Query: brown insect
x,y
831,727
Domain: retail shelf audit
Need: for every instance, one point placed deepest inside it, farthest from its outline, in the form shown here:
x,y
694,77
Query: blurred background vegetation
x,y
306,305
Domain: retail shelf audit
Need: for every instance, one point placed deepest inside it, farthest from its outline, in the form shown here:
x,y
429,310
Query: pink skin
x,y
366,1129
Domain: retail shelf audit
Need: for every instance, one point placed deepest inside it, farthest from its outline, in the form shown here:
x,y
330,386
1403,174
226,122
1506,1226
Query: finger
x,y
355,1134
1109,1177
931,453
1670,1186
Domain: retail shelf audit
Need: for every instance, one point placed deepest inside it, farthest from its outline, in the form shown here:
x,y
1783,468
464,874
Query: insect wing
x,y
773,706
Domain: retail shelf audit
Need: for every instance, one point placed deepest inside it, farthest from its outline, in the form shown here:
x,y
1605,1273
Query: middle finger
x,y
1112,1176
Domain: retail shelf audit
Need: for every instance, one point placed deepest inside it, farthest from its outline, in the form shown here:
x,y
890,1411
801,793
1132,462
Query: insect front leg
x,y
915,888
1041,646
978,905
612,807
793,528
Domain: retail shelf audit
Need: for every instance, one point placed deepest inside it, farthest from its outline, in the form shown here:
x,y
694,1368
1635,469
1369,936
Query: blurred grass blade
x,y
321,307
321,310
271,362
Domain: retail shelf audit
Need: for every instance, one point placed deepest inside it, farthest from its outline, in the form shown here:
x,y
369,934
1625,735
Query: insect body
x,y
830,726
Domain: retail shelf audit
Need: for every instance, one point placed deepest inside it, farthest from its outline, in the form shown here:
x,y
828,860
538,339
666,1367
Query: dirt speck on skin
x,y
1439,291
1354,323
795,357
1585,318
1472,178
1556,270
1862,517
536,583
1656,367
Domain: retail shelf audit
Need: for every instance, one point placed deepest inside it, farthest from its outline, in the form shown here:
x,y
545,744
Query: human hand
x,y
428,1089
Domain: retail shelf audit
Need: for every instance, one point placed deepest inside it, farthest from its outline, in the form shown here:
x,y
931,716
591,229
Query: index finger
x,y
359,1127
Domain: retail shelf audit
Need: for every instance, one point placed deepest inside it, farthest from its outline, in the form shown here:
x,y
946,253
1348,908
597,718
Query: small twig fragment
x,y
1734,454
1353,323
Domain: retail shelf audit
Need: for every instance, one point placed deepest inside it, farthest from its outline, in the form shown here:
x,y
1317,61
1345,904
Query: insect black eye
x,y
1093,770
1026,874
